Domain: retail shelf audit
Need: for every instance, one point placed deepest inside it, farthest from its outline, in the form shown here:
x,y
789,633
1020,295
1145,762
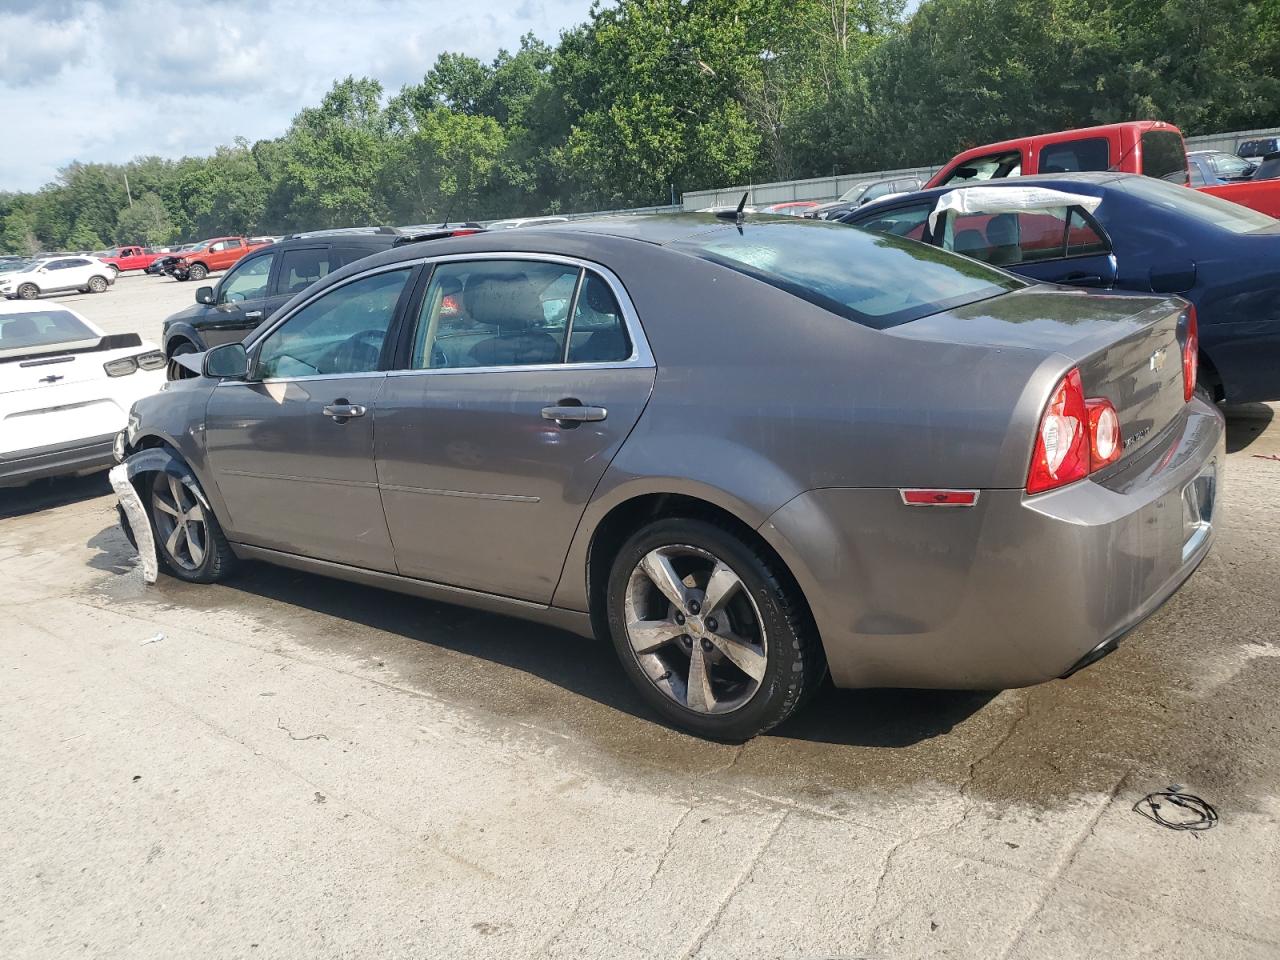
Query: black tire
x,y
216,561
795,664
97,284
28,291
197,272
176,371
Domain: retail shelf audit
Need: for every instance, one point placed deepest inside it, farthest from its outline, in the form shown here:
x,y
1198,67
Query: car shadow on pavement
x,y
583,666
54,492
1245,423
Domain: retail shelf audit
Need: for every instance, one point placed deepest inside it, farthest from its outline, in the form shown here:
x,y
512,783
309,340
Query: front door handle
x,y
253,316
572,414
341,411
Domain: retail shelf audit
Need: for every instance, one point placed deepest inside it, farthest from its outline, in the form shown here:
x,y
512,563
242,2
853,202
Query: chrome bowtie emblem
x,y
1157,359
52,378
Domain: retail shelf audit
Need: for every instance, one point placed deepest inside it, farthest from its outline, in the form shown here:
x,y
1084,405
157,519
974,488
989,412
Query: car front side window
x,y
248,281
906,222
340,332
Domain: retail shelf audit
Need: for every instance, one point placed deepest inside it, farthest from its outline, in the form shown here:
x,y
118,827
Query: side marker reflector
x,y
939,498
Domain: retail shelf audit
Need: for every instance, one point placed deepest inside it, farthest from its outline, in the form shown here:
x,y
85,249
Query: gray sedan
x,y
748,453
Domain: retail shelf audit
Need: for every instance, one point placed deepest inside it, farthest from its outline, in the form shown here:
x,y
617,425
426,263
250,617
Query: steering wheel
x,y
360,351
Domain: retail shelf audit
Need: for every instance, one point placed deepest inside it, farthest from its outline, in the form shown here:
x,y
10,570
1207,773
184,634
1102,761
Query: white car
x,y
65,390
53,274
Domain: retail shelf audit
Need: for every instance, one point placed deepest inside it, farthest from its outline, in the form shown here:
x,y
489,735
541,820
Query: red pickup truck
x,y
1141,146
207,256
130,258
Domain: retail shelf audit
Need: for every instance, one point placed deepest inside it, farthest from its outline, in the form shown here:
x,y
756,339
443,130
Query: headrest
x,y
1002,231
505,300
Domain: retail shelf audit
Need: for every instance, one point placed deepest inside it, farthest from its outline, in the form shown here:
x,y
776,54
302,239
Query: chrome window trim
x,y
641,354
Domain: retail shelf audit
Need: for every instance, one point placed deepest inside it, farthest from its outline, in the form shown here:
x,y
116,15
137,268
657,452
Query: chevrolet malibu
x,y
747,451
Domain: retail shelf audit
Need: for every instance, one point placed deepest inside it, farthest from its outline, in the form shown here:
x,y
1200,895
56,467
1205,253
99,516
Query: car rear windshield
x,y
1199,205
41,328
1164,156
875,280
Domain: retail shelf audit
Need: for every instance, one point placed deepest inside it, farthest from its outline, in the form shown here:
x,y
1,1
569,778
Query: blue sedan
x,y
1127,233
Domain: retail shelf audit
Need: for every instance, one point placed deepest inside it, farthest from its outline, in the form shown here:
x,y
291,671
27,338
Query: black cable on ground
x,y
1203,814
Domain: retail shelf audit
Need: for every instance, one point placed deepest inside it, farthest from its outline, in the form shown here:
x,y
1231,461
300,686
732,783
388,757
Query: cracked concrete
x,y
307,768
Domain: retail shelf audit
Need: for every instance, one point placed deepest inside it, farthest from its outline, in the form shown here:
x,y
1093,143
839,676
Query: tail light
x,y
1190,354
1062,442
1076,437
151,360
1104,433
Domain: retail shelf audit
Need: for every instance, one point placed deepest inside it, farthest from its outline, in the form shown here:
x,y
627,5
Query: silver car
x,y
748,452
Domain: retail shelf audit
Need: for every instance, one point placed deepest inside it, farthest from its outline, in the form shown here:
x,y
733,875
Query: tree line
x,y
648,98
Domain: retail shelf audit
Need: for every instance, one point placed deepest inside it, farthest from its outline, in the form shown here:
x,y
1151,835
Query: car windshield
x,y
1198,205
854,192
875,280
202,245
41,328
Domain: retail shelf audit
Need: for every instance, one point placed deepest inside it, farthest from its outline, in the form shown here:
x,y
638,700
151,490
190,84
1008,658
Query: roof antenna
x,y
738,215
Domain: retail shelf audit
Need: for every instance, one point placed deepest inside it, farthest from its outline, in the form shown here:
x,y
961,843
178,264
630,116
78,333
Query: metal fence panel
x,y
828,188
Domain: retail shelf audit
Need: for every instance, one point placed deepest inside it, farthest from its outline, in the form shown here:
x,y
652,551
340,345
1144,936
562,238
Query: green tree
x,y
146,222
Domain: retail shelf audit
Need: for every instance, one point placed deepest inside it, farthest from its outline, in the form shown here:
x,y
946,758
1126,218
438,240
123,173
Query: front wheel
x,y
711,630
177,371
189,539
97,284
197,272
28,291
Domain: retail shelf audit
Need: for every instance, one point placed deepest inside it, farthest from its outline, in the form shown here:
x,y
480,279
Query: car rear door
x,y
292,447
1056,245
521,376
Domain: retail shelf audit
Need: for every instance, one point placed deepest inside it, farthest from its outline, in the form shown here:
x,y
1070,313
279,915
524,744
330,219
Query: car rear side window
x,y
1164,156
1027,236
1076,155
873,279
301,268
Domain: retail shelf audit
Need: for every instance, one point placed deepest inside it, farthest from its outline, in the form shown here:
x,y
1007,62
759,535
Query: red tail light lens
x,y
1062,443
1190,354
1104,433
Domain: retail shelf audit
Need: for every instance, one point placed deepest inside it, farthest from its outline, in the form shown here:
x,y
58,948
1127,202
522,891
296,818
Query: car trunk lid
x,y
1126,348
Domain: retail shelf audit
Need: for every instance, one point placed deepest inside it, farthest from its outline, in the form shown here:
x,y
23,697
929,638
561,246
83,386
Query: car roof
x,y
1066,181
13,307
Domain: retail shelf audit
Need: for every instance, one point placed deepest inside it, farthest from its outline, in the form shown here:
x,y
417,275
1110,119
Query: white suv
x,y
52,274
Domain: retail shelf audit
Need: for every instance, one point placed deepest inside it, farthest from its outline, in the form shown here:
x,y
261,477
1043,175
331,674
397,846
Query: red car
x,y
130,258
212,255
1150,147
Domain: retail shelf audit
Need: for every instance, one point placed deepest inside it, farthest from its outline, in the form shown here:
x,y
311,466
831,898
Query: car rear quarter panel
x,y
761,396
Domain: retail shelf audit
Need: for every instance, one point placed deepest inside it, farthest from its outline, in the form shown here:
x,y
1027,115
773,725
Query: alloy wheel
x,y
695,629
180,521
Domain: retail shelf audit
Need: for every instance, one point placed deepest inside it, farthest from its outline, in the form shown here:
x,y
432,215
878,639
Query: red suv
x,y
209,256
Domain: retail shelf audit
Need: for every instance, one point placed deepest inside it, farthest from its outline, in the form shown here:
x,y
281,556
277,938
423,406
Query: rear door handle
x,y
341,411
574,413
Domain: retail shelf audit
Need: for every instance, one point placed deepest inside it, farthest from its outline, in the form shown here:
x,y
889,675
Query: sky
x,y
108,80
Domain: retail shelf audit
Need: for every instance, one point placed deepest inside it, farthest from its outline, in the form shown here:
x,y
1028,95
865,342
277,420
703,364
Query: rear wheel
x,y
28,291
710,630
189,539
97,284
197,272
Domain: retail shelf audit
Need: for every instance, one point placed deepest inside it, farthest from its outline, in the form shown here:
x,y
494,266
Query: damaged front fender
x,y
133,512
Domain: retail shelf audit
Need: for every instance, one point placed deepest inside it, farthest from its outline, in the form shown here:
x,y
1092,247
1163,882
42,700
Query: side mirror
x,y
205,295
230,361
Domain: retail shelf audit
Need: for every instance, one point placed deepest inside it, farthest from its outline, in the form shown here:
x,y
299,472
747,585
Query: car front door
x,y
239,301
519,383
291,448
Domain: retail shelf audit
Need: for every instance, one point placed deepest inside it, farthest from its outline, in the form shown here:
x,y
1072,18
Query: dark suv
x,y
267,279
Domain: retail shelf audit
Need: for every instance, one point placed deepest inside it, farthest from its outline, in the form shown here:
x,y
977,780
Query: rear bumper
x,y
78,456
1016,590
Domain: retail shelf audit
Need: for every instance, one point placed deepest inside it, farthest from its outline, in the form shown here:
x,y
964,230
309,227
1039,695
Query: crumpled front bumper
x,y
133,517
1015,590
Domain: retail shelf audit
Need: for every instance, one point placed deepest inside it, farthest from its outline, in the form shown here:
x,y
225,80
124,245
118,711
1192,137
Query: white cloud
x,y
108,80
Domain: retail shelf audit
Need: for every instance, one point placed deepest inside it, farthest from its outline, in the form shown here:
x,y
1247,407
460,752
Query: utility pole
x,y
127,192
